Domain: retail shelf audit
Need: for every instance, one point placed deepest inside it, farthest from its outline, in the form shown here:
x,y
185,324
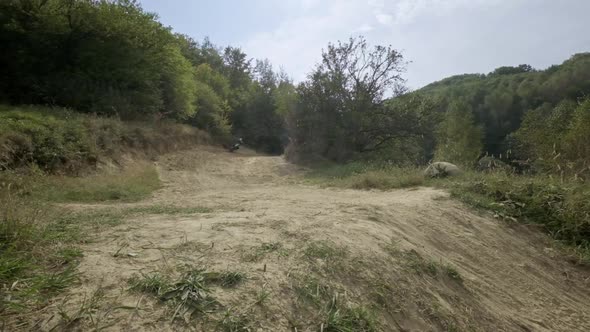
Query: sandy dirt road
x,y
512,279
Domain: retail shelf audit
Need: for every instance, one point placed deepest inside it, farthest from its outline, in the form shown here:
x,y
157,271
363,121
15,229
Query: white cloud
x,y
383,18
422,29
406,11
309,4
365,28
298,41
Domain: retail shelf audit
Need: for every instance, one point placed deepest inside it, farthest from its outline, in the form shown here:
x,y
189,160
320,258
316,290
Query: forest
x,y
113,59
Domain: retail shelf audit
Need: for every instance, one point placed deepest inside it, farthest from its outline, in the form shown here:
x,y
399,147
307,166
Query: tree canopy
x,y
341,110
112,58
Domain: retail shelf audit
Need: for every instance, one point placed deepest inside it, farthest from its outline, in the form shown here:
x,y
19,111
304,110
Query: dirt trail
x,y
512,279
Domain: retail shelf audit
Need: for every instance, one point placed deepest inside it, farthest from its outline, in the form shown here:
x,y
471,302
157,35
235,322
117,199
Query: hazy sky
x,y
440,37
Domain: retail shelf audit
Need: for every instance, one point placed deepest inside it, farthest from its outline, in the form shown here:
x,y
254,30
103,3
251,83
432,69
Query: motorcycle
x,y
235,146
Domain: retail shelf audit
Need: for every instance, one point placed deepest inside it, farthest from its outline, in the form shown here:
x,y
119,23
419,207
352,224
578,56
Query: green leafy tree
x,y
340,112
459,139
213,110
178,84
577,138
501,99
107,57
541,136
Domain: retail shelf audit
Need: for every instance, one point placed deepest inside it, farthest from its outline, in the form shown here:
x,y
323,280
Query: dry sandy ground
x,y
379,246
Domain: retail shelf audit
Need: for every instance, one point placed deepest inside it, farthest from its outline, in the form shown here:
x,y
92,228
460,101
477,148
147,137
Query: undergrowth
x,y
129,185
560,206
189,294
39,249
367,176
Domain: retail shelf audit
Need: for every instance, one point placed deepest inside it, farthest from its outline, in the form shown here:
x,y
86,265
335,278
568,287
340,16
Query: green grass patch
x,y
367,176
452,273
189,295
41,262
341,317
130,185
39,247
152,283
262,295
349,318
225,279
421,266
232,279
133,183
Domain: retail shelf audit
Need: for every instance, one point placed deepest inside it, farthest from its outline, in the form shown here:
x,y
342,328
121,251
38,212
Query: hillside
x,y
499,100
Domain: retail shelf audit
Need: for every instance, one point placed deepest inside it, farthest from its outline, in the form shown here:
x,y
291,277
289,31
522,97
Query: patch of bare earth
x,y
405,260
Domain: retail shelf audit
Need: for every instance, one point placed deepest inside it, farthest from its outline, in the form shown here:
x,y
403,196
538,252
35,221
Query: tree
x,y
459,139
105,57
540,137
340,111
258,121
213,110
500,101
507,70
577,137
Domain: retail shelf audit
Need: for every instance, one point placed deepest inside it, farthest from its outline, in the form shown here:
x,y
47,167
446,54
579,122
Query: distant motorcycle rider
x,y
236,145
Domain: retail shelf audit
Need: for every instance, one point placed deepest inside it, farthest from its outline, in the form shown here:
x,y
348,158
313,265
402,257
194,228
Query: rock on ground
x,y
442,169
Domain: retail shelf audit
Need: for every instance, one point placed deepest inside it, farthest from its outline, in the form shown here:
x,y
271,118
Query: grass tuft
x,y
152,283
342,318
232,279
312,289
256,254
262,296
232,322
452,273
190,294
132,184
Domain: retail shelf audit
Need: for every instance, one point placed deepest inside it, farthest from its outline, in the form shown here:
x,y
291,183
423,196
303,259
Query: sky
x,y
439,38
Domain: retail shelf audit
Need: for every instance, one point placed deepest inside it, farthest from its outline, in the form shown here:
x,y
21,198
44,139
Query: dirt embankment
x,y
414,259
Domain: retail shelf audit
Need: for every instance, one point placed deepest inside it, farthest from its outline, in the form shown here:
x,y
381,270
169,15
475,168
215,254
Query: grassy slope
x,y
39,241
59,141
560,207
